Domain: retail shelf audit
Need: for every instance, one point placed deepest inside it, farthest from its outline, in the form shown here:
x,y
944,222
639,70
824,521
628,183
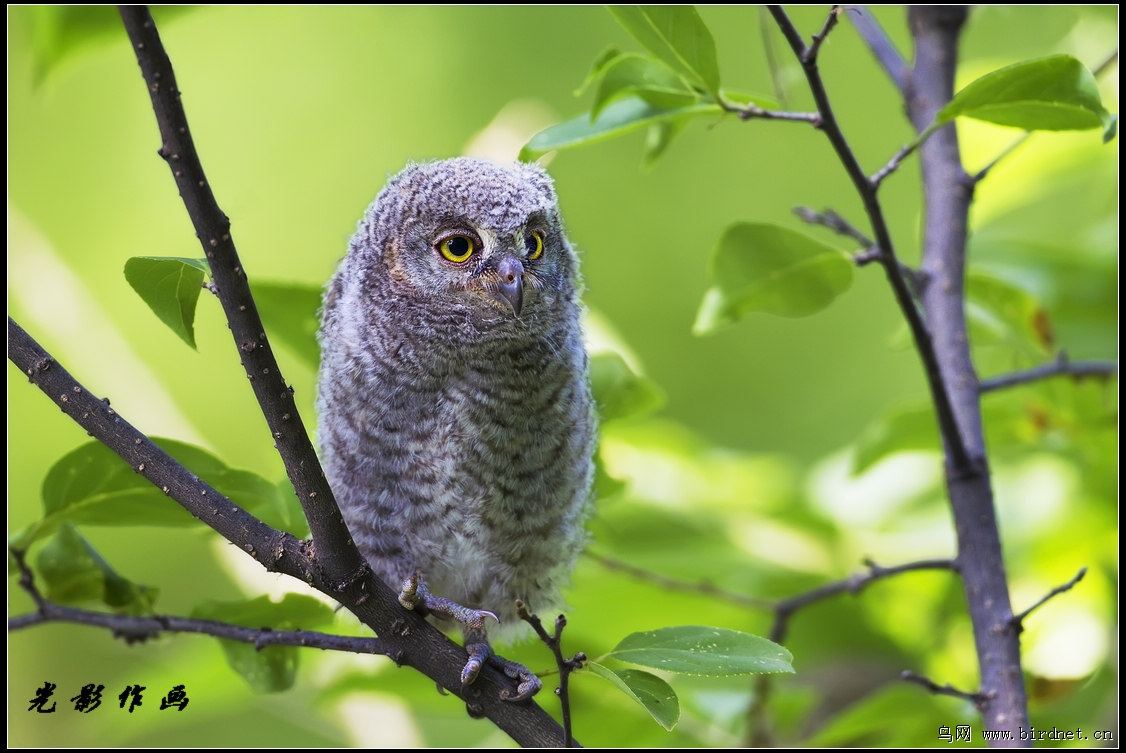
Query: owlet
x,y
456,422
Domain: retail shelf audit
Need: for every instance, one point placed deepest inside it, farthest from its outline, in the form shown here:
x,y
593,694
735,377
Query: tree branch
x,y
331,562
336,551
134,629
785,609
700,587
407,637
890,262
751,111
948,192
1060,367
1017,622
762,735
837,224
978,699
564,665
881,46
275,550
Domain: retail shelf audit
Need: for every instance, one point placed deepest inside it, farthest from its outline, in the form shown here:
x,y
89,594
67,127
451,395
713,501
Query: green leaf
x,y
616,119
1000,311
770,269
911,427
92,485
274,668
58,31
677,35
620,393
604,58
698,650
642,76
170,286
658,138
654,694
291,313
1055,93
74,572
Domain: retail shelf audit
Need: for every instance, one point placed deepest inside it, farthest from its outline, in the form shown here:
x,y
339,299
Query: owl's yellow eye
x,y
456,248
533,242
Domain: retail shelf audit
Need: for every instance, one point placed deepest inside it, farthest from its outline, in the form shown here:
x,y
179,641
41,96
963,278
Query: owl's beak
x,y
510,283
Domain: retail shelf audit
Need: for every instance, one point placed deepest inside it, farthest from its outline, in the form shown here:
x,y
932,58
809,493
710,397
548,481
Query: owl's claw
x,y
414,595
528,684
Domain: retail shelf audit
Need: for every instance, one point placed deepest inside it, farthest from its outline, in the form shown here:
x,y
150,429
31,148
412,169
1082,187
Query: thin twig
x,y
836,223
1060,367
564,665
854,584
1017,622
819,38
1012,146
784,610
881,46
134,629
978,699
750,111
894,163
700,587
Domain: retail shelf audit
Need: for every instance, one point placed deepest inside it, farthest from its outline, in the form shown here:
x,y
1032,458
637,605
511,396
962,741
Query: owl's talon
x,y
528,683
478,654
414,595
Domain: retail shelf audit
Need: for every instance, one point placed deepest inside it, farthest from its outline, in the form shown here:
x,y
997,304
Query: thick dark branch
x,y
978,699
881,46
274,550
949,192
944,411
1060,367
407,637
336,552
1017,622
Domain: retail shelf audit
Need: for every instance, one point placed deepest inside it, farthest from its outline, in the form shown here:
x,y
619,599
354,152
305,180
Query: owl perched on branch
x,y
456,421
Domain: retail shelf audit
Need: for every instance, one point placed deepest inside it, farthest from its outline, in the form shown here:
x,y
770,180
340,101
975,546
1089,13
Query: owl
x,y
455,417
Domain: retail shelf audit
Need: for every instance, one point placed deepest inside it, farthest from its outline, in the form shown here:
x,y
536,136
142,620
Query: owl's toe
x,y
413,594
480,653
528,683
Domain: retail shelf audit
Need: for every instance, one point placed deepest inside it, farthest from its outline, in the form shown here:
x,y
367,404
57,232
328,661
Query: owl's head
x,y
469,235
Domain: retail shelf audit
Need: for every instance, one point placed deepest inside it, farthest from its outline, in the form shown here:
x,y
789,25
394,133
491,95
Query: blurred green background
x,y
742,479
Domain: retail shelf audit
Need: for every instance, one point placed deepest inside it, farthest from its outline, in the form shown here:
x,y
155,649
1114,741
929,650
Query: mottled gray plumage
x,y
456,423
